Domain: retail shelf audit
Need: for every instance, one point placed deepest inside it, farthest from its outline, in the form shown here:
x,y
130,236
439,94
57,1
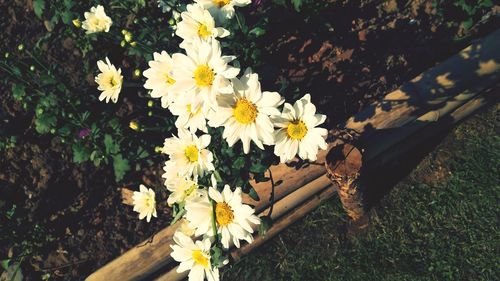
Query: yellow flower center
x,y
199,258
191,153
245,112
203,31
296,130
204,76
169,79
224,215
221,3
148,202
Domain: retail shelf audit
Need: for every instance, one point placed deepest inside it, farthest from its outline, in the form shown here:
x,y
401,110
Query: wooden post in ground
x,y
430,102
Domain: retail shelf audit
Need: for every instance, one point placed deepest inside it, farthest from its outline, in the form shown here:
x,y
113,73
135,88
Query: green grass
x,y
440,223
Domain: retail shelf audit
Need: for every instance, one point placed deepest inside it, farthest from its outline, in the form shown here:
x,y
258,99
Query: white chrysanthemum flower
x,y
144,203
189,153
297,131
203,73
197,23
233,218
181,187
189,117
245,113
194,256
222,10
109,81
159,78
96,20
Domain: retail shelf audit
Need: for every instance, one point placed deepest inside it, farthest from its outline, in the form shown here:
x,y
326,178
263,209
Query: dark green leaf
x,y
265,223
38,7
257,31
253,194
18,91
80,153
297,4
120,166
44,123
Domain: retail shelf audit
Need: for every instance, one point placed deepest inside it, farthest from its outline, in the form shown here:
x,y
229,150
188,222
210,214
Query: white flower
x,y
144,203
189,154
233,218
222,10
192,118
159,78
194,256
96,20
245,113
110,81
297,132
198,23
181,187
203,73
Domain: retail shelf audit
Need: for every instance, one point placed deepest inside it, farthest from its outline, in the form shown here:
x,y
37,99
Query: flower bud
x,y
77,23
150,103
137,73
134,125
20,47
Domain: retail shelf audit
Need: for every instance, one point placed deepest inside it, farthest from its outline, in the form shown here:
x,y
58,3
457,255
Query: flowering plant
x,y
203,88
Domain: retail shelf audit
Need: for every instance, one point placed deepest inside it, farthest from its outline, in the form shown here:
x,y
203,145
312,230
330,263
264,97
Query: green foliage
x,y
38,7
120,166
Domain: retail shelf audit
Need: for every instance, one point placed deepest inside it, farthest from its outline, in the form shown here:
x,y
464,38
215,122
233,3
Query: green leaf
x,y
18,91
257,31
239,163
5,263
47,80
44,123
67,17
253,194
297,4
467,24
80,153
258,168
111,146
38,7
265,223
120,166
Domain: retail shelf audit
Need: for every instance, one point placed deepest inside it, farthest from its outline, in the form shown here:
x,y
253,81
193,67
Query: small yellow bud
x,y
150,103
20,47
77,23
171,22
32,68
124,31
7,55
134,125
158,149
133,44
122,43
137,73
150,113
128,36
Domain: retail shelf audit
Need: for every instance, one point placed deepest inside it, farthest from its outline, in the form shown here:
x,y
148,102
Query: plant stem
x,y
271,200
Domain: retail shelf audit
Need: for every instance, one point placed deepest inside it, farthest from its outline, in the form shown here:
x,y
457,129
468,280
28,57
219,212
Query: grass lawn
x,y
440,223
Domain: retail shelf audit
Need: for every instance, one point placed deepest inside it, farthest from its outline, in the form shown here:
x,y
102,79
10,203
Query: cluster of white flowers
x,y
201,87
